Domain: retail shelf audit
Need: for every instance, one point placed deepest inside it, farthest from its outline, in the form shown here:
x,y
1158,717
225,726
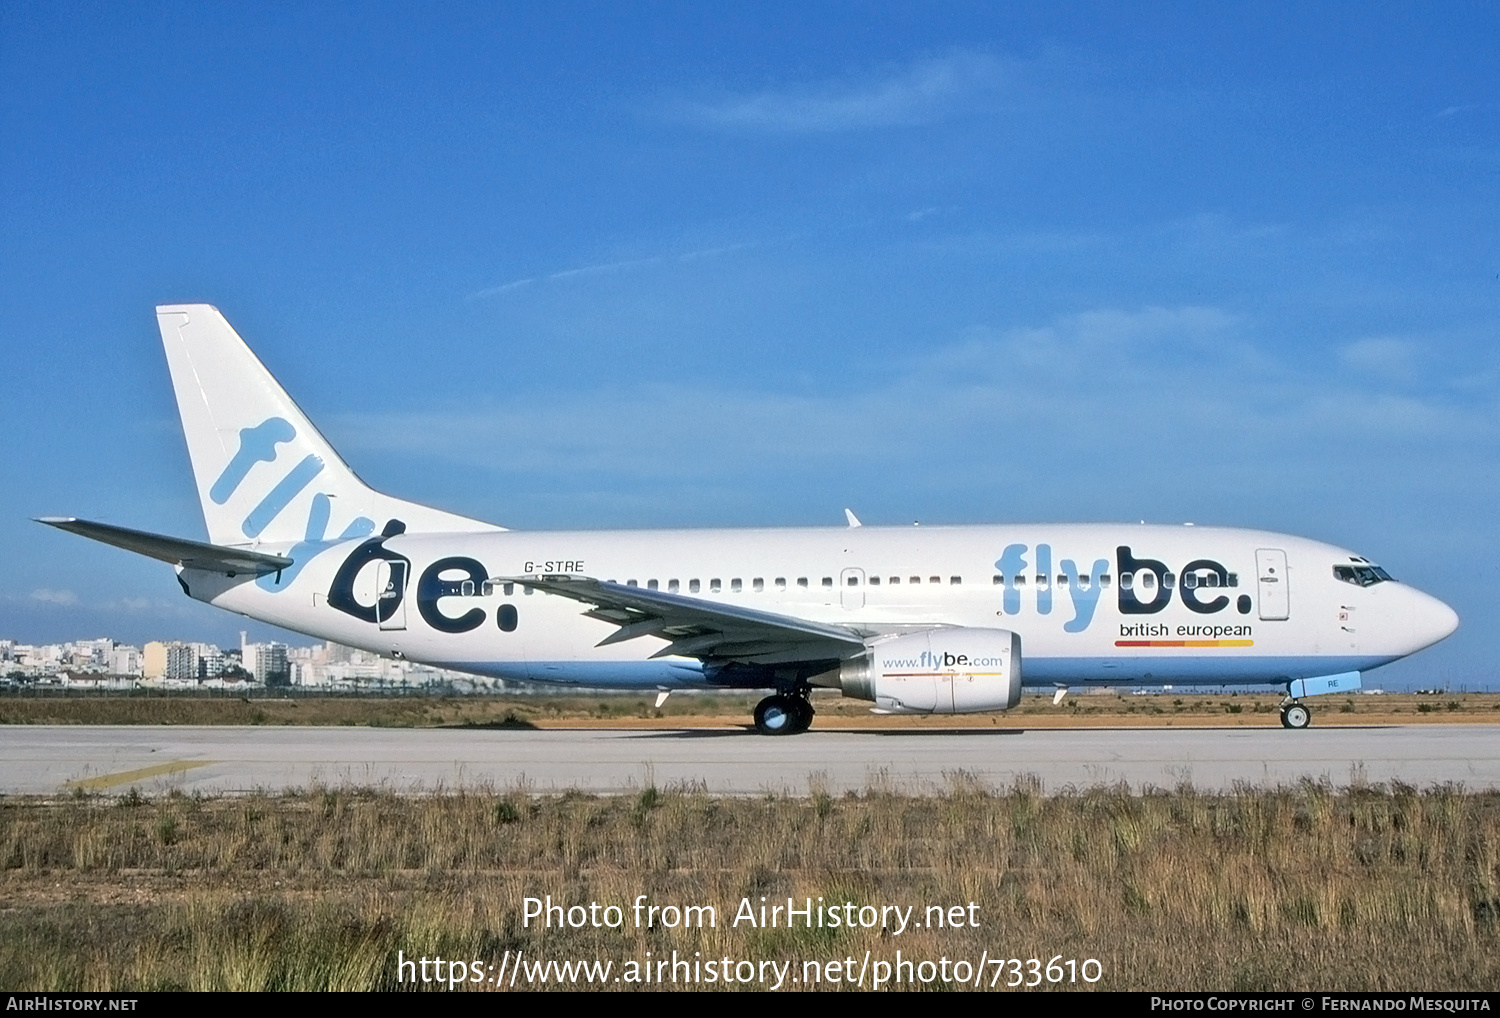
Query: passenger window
x,y
650,584
874,581
1234,579
895,579
934,579
736,585
916,579
466,589
1104,580
631,583
854,581
781,583
509,589
486,589
759,584
955,580
1127,581
828,581
715,585
1167,579
692,586
802,581
1062,579
1148,580
1020,580
672,586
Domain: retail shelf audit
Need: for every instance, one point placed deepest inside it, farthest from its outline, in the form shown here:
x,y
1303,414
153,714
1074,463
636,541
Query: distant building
x,y
73,679
210,660
125,660
266,663
172,662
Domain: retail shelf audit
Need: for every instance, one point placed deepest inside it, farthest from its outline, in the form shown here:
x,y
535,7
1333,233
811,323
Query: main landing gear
x,y
783,714
1295,715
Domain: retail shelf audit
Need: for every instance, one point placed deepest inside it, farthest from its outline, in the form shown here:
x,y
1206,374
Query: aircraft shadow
x,y
748,730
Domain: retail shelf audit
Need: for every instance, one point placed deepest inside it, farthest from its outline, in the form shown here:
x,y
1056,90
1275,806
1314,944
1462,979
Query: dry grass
x,y
409,711
633,711
1296,889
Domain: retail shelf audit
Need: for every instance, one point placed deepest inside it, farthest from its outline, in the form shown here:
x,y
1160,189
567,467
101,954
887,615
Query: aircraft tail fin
x,y
264,473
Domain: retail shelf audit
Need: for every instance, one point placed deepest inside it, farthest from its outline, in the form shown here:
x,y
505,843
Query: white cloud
x,y
921,93
138,604
606,268
62,597
494,291
1069,371
1381,356
1140,398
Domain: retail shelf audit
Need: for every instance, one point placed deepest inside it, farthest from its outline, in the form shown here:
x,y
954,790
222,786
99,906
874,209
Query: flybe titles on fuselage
x,y
456,576
1143,586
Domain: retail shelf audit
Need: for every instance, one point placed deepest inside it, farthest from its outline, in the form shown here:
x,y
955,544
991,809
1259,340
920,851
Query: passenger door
x,y
1271,584
390,584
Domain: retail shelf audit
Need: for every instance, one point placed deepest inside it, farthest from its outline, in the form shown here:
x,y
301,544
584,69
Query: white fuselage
x,y
1091,603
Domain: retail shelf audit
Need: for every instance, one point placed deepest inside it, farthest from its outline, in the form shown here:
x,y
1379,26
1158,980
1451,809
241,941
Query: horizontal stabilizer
x,y
188,554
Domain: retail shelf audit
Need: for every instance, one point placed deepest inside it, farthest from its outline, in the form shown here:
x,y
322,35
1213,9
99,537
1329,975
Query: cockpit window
x,y
1366,575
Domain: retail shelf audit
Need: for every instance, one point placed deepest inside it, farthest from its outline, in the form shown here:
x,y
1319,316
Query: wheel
x,y
1294,715
777,715
804,713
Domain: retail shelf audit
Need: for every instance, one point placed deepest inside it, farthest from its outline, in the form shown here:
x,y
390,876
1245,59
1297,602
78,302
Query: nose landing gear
x,y
1295,715
783,714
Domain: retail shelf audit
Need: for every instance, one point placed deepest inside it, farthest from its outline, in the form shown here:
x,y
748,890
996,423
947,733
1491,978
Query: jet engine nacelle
x,y
940,671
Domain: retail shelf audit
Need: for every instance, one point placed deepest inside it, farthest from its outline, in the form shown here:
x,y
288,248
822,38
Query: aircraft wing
x,y
212,558
697,628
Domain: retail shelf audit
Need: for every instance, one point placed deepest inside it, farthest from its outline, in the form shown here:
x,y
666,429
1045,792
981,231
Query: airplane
x,y
913,619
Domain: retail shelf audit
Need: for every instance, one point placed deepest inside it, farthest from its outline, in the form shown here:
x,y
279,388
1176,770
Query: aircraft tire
x,y
1295,715
778,715
804,713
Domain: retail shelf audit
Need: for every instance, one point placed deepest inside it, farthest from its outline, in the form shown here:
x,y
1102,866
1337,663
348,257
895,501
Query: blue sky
x,y
610,265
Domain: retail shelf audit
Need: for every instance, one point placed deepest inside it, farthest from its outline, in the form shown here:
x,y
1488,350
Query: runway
x,y
51,760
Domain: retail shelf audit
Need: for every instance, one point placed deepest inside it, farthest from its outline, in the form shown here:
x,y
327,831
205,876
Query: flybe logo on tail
x,y
261,444
1144,586
316,540
258,445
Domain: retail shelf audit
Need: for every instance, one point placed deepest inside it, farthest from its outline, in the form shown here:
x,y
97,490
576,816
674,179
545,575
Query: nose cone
x,y
1426,620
